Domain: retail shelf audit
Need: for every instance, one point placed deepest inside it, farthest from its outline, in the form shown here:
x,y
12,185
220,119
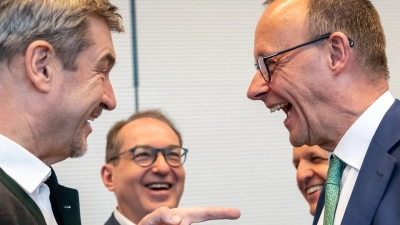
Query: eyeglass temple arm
x,y
351,42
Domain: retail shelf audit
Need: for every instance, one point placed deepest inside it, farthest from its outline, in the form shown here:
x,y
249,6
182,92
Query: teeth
x,y
158,186
91,118
314,189
278,107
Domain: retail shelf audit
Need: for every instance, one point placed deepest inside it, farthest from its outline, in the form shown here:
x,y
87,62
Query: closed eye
x,y
142,154
271,66
318,159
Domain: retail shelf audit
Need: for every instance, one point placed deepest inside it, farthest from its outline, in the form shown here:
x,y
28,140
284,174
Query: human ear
x,y
38,62
340,49
107,176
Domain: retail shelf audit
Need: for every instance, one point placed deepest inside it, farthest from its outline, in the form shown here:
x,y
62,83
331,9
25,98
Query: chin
x,y
298,138
312,209
160,204
78,148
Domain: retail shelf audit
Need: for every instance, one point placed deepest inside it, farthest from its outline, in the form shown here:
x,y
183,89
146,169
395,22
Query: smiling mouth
x,y
90,119
314,189
158,186
286,107
95,114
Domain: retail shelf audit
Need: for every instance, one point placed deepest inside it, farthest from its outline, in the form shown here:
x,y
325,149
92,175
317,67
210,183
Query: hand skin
x,y
187,216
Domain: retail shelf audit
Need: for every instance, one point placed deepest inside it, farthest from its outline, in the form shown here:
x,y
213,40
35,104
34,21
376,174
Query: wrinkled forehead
x,y
281,25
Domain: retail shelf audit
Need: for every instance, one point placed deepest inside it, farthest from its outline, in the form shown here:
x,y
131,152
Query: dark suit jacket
x,y
376,195
112,220
17,207
64,202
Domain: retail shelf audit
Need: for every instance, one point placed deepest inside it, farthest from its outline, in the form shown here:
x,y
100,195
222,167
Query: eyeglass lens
x,y
145,156
263,69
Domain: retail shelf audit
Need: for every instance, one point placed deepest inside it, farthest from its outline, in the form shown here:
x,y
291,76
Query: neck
x,y
350,103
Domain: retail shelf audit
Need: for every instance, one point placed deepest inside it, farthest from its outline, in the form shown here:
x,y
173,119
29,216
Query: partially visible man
x,y
323,62
144,158
55,59
311,163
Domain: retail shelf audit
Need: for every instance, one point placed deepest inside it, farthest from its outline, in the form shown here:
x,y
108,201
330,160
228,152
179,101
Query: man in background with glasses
x,y
144,158
323,63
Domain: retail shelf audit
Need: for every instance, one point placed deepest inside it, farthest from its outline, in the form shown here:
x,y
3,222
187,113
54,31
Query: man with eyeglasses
x,y
144,158
323,63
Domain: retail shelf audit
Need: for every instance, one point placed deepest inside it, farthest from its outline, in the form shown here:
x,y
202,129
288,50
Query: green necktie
x,y
332,189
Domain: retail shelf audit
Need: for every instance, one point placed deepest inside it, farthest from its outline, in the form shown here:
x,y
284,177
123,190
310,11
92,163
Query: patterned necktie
x,y
332,189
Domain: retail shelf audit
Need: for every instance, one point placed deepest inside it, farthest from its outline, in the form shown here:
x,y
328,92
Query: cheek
x,y
180,176
129,177
322,171
93,91
299,184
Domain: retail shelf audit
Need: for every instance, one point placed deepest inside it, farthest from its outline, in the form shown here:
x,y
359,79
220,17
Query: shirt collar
x,y
121,218
354,144
21,165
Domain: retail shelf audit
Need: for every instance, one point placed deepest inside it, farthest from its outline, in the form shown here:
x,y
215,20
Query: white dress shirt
x,y
121,218
353,147
29,173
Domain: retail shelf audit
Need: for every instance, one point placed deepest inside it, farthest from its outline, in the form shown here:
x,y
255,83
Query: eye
x,y
105,72
173,154
141,153
318,160
271,65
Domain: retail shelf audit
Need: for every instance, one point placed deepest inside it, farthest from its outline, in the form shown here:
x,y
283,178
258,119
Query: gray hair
x,y
62,23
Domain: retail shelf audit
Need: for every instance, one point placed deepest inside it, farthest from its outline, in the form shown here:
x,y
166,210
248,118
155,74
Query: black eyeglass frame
x,y
263,59
155,152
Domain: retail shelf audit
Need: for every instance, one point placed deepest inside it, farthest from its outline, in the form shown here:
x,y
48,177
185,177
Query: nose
x,y
304,172
160,166
258,87
108,102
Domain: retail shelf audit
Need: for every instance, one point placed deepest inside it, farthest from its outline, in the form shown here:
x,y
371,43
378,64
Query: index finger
x,y
187,216
201,214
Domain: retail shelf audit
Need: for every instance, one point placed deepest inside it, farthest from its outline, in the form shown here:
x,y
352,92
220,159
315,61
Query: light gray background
x,y
195,63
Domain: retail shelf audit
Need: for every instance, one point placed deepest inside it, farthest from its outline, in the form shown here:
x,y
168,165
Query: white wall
x,y
195,63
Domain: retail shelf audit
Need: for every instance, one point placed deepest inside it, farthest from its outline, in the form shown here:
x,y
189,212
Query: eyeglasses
x,y
262,64
145,156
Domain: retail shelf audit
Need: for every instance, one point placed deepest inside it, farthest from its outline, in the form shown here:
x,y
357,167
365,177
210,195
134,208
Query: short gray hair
x,y
62,23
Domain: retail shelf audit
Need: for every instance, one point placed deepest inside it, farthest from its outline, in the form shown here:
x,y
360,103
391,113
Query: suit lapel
x,y
64,202
375,171
69,206
320,206
112,220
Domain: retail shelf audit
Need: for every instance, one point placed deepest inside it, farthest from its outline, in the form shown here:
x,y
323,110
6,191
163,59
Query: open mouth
x,y
90,119
95,114
159,186
286,107
313,189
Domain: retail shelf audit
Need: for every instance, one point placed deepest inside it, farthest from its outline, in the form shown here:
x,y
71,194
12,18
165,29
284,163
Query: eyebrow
x,y
110,59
